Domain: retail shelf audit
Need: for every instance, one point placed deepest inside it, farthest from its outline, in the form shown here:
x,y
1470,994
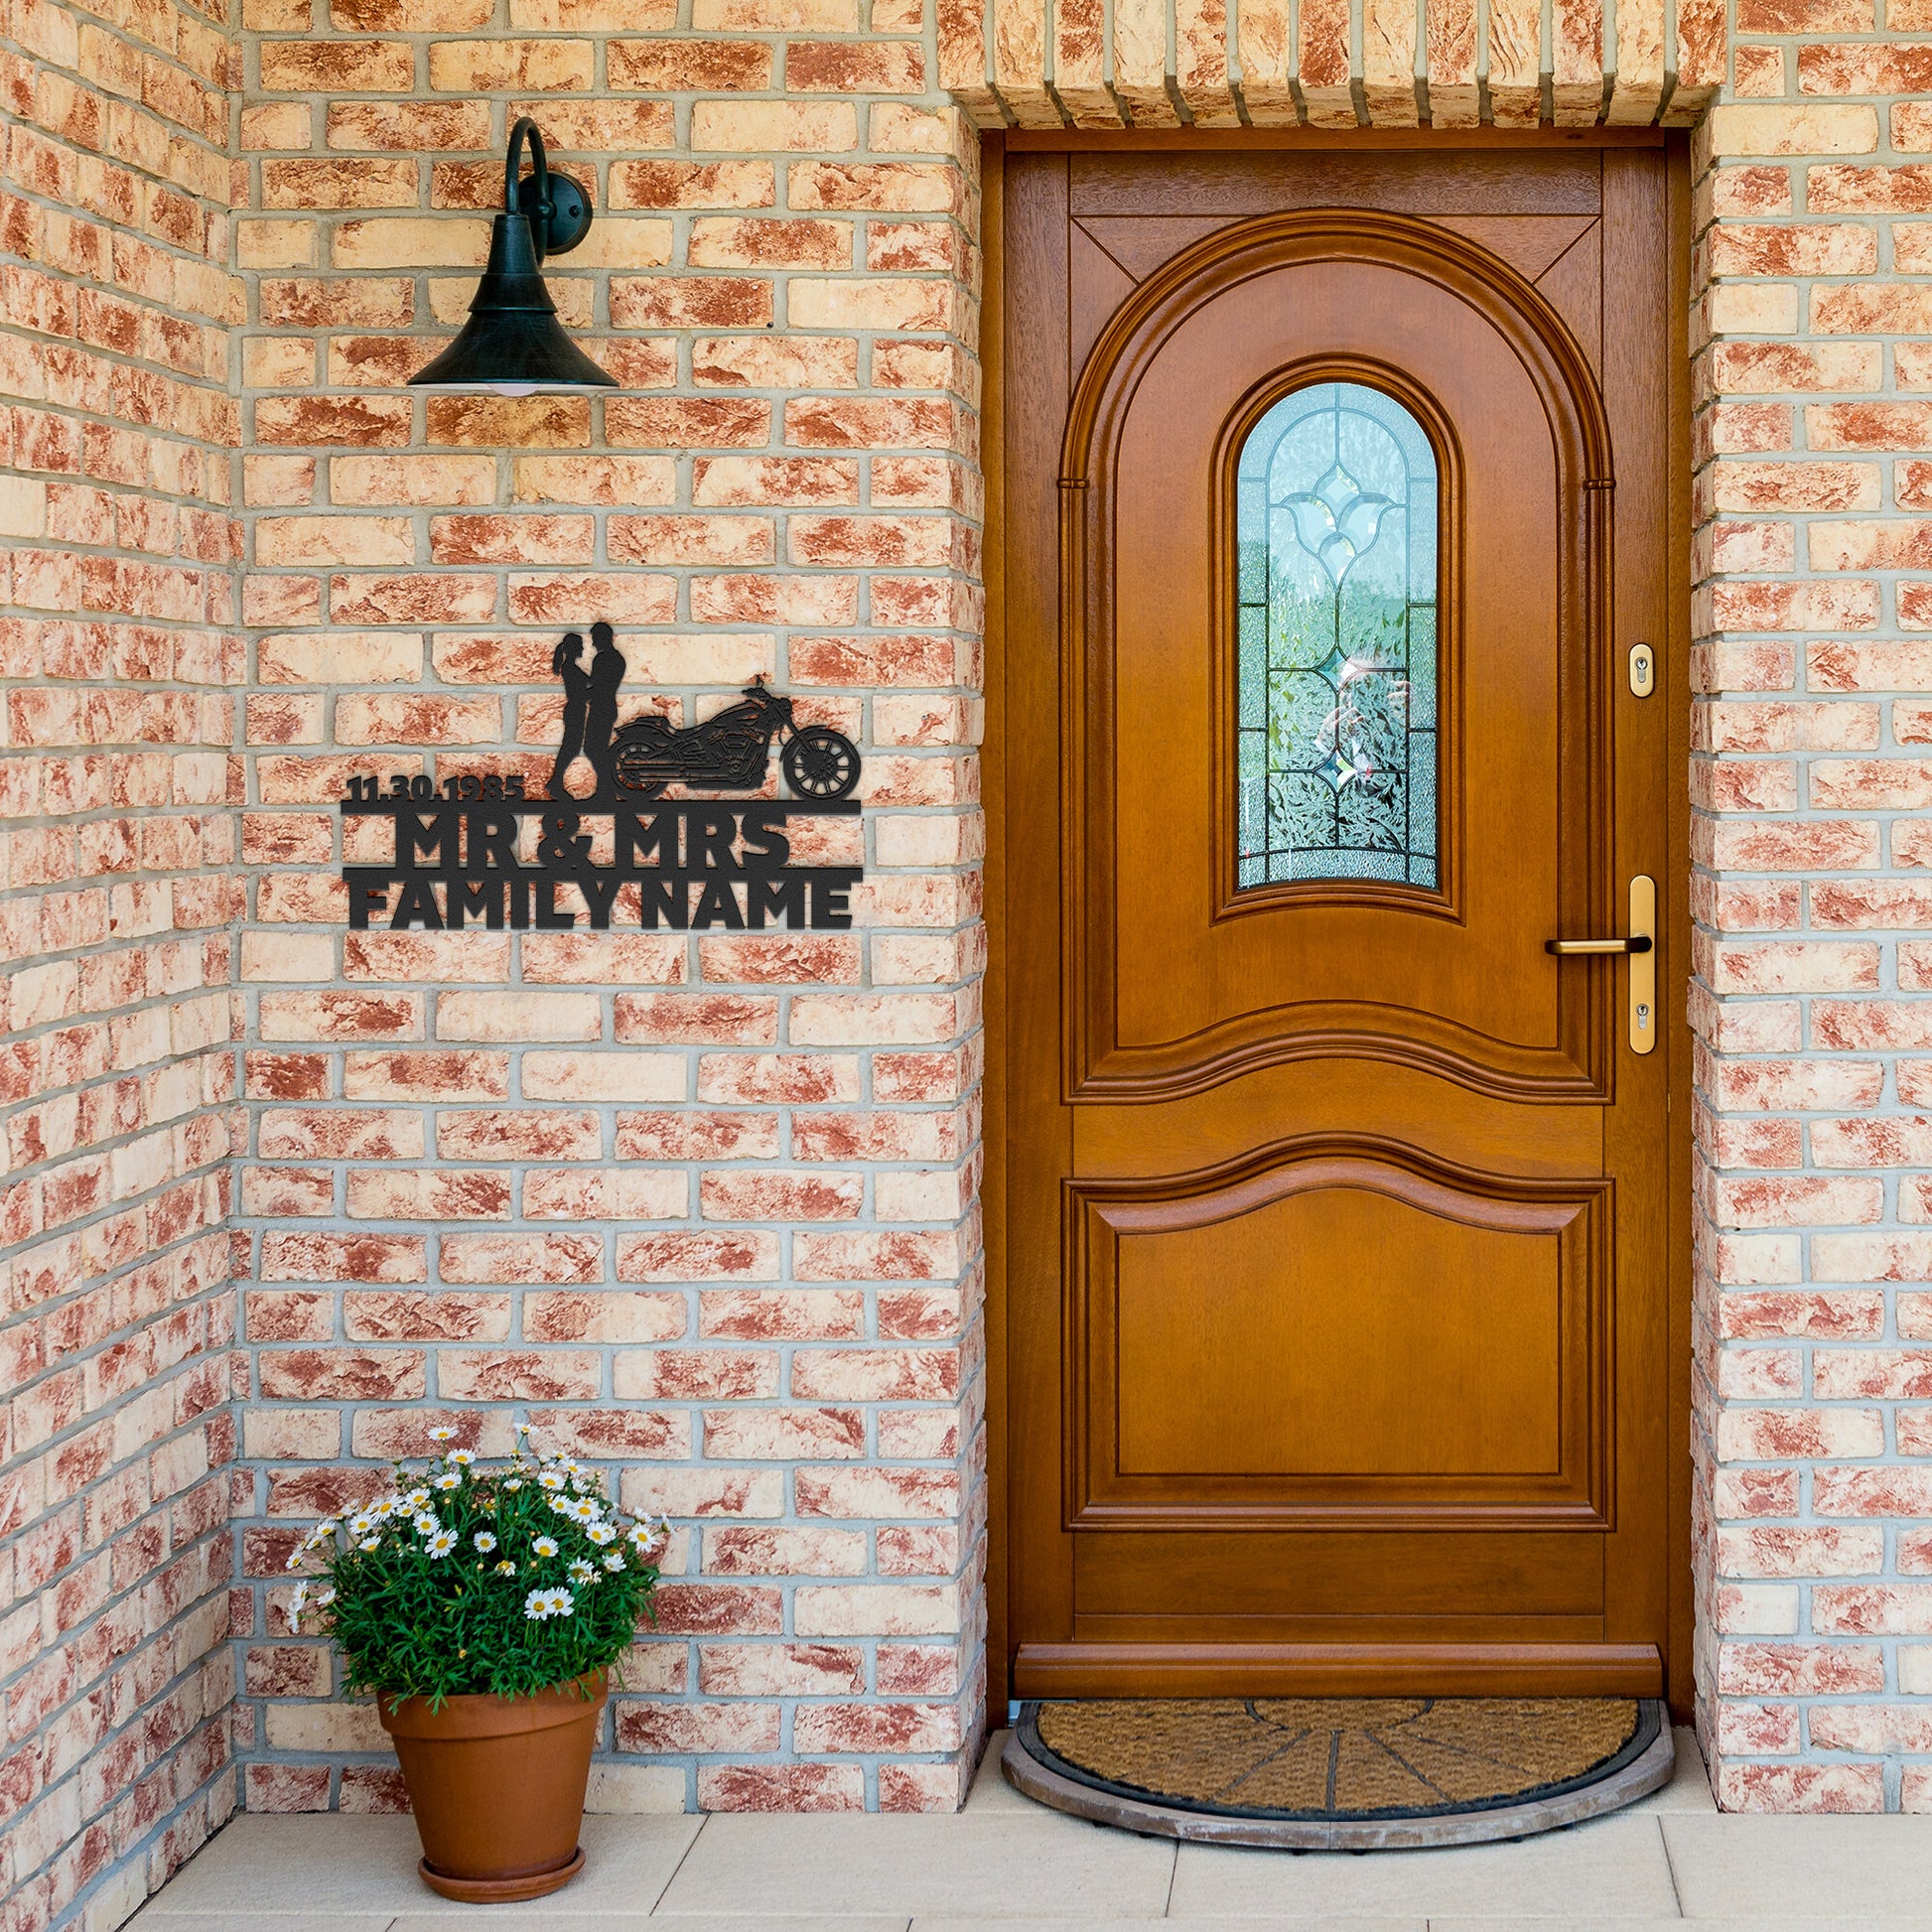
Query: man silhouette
x,y
600,706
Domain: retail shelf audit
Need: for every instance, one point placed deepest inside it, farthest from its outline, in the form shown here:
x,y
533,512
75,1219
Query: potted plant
x,y
486,1608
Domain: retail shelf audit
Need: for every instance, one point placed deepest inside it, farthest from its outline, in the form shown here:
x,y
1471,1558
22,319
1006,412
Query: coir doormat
x,y
1344,1772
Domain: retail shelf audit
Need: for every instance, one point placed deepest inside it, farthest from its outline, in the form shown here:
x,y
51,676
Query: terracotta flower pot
x,y
497,1787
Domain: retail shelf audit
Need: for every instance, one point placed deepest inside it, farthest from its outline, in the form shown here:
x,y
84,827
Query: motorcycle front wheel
x,y
819,763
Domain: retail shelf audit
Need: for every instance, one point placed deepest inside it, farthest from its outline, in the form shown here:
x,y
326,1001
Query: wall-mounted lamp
x,y
512,342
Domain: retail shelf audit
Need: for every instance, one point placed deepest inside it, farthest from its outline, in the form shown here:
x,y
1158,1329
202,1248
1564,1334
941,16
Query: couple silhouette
x,y
590,706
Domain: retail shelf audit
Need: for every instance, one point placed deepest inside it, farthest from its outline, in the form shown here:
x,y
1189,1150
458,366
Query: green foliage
x,y
463,1579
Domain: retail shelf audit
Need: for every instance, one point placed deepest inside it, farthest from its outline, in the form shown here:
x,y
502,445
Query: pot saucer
x,y
501,1891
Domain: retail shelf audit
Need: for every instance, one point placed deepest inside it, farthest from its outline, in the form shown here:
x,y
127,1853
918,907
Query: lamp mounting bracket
x,y
568,221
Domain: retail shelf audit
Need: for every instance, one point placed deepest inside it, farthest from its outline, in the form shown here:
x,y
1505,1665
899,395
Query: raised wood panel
x,y
1529,243
1338,1331
1140,243
1516,182
1572,285
1097,287
1323,1336
1339,1340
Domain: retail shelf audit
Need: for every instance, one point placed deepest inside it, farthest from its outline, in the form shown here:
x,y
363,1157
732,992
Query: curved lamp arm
x,y
513,188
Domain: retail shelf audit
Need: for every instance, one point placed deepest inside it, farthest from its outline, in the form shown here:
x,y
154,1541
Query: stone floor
x,y
1670,1858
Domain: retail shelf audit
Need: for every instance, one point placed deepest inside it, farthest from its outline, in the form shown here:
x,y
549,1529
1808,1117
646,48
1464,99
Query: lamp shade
x,y
512,342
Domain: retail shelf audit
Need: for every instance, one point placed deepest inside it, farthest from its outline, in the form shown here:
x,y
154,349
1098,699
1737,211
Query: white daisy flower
x,y
442,1543
536,1606
370,1542
325,1596
550,1479
360,1523
516,1482
296,1604
582,1573
614,1562
426,1523
562,1603
295,1559
444,1434
416,1498
484,1542
507,1568
545,1546
461,1458
449,1479
601,1533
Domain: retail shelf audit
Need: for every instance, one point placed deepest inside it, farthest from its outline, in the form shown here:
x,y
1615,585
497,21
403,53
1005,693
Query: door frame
x,y
994,148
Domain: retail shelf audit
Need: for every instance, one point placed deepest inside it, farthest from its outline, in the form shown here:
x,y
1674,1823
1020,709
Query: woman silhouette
x,y
600,705
567,662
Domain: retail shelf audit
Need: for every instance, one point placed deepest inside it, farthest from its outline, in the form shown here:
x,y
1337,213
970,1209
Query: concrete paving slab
x,y
1665,1925
1041,1865
1790,1868
157,1919
1614,1867
310,1865
304,1867
560,1917
1403,1923
990,1790
1689,1789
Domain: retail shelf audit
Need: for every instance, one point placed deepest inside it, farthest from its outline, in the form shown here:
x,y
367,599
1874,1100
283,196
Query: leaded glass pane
x,y
1335,581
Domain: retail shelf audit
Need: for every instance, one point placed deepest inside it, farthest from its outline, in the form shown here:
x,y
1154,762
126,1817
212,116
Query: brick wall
x,y
701,1207
118,902
1811,783
704,1208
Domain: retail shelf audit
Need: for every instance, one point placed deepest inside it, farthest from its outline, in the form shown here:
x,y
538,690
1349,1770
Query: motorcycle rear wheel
x,y
632,766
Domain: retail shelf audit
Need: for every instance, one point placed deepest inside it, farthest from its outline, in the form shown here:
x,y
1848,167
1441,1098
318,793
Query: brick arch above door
x,y
1331,63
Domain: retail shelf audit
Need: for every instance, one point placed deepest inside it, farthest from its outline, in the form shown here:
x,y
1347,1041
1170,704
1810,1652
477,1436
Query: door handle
x,y
1640,946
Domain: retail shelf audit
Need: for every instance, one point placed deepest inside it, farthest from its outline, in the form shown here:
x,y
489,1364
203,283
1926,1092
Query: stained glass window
x,y
1336,527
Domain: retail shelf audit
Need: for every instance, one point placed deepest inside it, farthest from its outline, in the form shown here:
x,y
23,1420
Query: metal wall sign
x,y
624,852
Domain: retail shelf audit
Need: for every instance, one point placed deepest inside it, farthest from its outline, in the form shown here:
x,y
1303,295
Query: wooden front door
x,y
1338,1233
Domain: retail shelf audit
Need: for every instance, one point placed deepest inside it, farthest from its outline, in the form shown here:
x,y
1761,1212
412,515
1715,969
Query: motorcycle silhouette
x,y
730,751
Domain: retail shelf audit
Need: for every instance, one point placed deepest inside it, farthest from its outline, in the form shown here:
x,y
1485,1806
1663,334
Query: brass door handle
x,y
1643,992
